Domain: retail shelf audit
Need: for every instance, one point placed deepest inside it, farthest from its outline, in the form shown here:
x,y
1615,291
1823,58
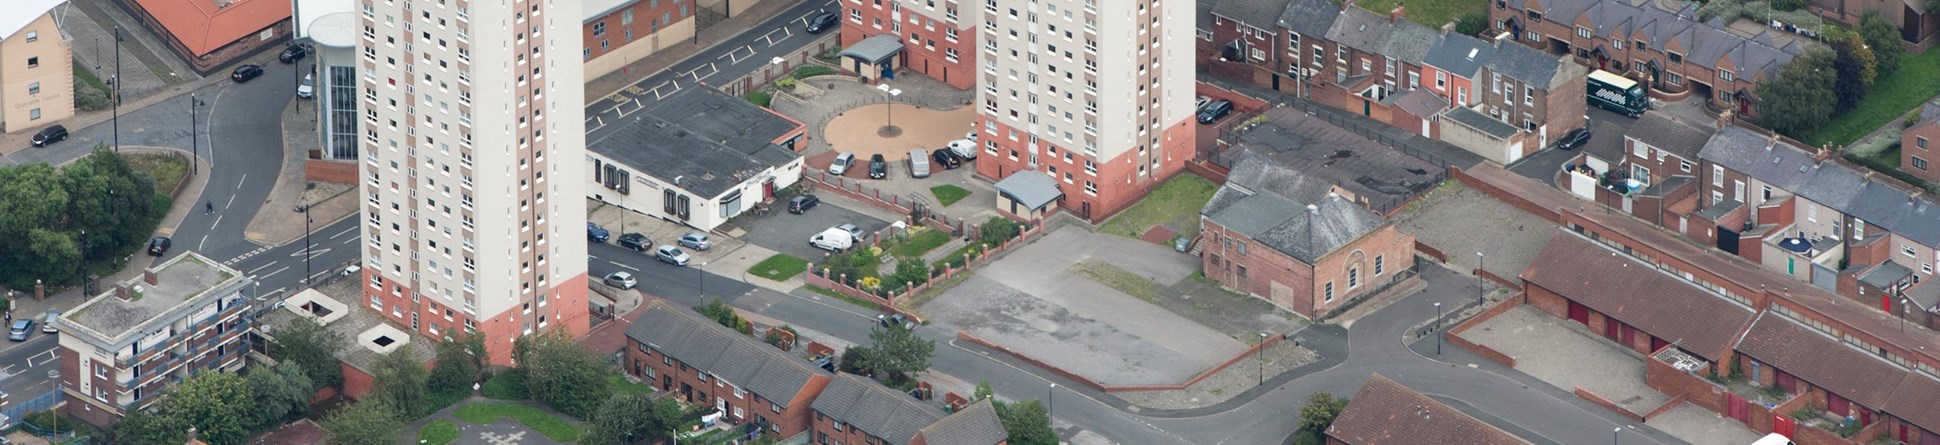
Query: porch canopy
x,y
1030,188
876,49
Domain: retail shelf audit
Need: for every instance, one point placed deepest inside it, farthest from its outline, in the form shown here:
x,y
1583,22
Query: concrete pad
x,y
1061,337
856,130
1695,424
1461,221
1563,354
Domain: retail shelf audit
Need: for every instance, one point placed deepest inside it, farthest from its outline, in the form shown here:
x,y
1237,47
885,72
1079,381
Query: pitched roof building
x,y
1383,412
701,362
211,33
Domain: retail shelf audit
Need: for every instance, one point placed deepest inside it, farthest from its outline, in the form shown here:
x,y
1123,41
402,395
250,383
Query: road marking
x,y
232,201
276,291
313,253
770,36
239,181
51,356
734,56
696,72
265,266
271,274
635,269
658,94
352,229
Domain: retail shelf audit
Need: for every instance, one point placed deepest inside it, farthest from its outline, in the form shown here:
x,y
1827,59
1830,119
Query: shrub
x,y
1472,24
1912,118
87,98
786,83
1000,229
759,98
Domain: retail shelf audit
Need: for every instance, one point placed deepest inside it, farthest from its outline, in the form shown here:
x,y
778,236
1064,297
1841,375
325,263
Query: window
x,y
1378,264
1353,277
1617,44
1329,292
1441,80
1685,165
33,114
1919,163
1920,141
33,62
33,88
1675,58
1907,250
1717,177
1725,75
33,35
1583,32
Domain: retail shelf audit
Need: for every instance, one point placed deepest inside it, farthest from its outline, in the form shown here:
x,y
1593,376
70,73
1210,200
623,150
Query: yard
x,y
921,241
779,267
1432,13
534,418
1890,97
1174,204
947,194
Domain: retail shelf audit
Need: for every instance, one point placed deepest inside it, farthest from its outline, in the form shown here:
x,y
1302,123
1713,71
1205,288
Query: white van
x,y
965,148
833,240
1773,439
919,163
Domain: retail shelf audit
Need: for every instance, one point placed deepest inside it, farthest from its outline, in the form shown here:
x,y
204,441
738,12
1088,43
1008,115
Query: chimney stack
x,y
1313,209
40,290
1344,4
1825,152
1395,15
148,276
1771,141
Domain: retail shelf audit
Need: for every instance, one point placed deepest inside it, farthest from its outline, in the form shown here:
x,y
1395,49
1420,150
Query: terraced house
x,y
1671,51
703,363
855,411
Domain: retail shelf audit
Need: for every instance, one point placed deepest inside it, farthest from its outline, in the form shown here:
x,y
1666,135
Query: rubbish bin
x,y
1180,244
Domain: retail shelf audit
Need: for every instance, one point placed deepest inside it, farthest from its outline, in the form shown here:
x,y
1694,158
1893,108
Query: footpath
x,y
645,67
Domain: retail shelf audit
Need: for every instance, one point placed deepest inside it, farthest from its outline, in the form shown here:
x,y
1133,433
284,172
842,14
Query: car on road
x,y
293,53
47,323
635,242
1215,110
246,72
853,231
887,320
51,134
307,88
1575,138
800,204
670,255
20,329
696,241
621,280
1200,103
821,22
159,245
596,233
946,158
841,163
878,167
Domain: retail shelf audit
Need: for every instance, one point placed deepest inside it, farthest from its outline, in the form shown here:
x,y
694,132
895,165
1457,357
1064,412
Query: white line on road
x,y
352,229
239,181
277,271
635,269
50,357
265,266
232,201
277,291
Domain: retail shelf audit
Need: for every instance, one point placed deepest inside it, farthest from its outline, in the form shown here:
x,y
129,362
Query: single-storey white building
x,y
699,157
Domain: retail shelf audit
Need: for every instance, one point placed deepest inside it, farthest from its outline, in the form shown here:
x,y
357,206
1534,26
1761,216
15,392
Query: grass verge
x,y
947,194
758,98
922,242
438,432
168,168
779,267
534,418
811,70
1117,278
831,293
1890,97
1177,202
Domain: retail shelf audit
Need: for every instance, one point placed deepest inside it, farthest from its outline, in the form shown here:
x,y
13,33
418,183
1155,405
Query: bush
x,y
89,99
507,385
1472,24
999,229
786,83
1912,118
759,98
807,71
1788,5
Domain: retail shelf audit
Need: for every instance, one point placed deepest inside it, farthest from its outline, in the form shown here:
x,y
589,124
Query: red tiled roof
x,y
1385,413
1639,295
203,27
1824,361
1917,400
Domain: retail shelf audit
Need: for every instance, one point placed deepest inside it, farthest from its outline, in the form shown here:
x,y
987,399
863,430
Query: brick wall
x,y
1910,148
341,172
683,383
1454,335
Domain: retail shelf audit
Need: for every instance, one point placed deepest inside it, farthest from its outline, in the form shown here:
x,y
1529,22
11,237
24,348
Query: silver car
x,y
620,280
696,241
853,231
841,164
670,255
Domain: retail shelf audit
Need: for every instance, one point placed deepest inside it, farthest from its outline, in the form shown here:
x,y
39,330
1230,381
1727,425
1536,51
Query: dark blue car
x,y
595,233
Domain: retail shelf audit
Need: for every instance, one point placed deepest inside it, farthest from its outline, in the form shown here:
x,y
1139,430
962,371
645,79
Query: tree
x,y
1472,24
143,428
1801,98
372,422
853,361
1028,423
280,392
459,362
401,379
1884,39
217,404
313,348
721,313
897,352
1000,229
562,374
1854,63
627,418
1788,5
909,271
1319,412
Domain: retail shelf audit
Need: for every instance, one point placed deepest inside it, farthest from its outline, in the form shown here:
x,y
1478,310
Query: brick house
x,y
209,35
1536,92
1919,26
1305,51
1670,51
618,32
1918,145
1247,31
1383,412
1659,146
121,350
1579,280
1312,251
937,38
855,410
700,362
1456,62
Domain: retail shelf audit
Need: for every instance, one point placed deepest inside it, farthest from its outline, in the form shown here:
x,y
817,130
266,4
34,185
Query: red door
x,y
1783,424
1610,328
1739,408
1580,313
1836,405
1657,344
1902,435
1628,334
1865,417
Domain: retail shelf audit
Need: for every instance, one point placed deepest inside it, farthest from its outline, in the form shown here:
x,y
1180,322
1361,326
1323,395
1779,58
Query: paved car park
x,y
788,233
1508,237
1567,356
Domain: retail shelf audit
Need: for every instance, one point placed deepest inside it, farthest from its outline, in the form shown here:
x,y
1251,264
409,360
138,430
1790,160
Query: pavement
x,y
867,131
147,64
788,233
1543,165
823,100
326,202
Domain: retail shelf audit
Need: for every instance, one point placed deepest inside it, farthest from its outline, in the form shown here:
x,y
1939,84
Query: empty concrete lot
x,y
1029,301
1568,357
1461,221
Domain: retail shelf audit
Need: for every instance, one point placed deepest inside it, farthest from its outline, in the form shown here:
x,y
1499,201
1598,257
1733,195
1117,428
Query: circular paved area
x,y
855,131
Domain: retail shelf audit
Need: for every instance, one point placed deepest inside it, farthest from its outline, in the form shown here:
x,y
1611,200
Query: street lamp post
x,y
195,149
889,129
1613,435
306,245
1051,402
115,96
701,267
1262,357
1478,279
1437,327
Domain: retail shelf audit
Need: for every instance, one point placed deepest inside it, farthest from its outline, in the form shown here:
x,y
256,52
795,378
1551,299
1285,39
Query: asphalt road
x,y
725,61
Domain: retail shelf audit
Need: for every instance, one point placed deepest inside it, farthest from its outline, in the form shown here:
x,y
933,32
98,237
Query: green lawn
x,y
534,418
620,383
922,242
168,169
947,194
438,432
1891,96
758,98
1176,202
780,267
1430,13
811,70
1889,157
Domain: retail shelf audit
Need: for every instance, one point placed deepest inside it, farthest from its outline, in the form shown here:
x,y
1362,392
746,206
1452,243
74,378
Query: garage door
x,y
1580,313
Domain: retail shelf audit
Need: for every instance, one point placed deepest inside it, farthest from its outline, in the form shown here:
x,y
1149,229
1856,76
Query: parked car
x,y
636,242
620,280
947,159
20,329
822,22
964,148
887,320
307,88
853,230
972,135
841,163
696,241
919,165
47,323
1215,110
246,72
670,255
159,245
1575,138
293,53
51,134
878,167
1200,103
800,204
833,240
596,233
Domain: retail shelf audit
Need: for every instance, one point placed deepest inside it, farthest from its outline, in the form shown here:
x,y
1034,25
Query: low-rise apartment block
x,y
122,349
1920,145
618,32
929,37
37,82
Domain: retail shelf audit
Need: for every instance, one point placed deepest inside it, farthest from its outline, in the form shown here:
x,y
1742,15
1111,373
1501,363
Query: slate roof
x,y
1526,65
1460,54
1407,41
1419,102
1917,400
709,140
1256,172
1031,188
976,424
1668,133
728,355
1744,151
1309,17
1704,43
1480,122
1283,225
1606,143
1878,200
1203,15
1651,300
1929,112
876,48
1927,295
1383,412
882,412
1885,275
1826,362
1262,14
1359,28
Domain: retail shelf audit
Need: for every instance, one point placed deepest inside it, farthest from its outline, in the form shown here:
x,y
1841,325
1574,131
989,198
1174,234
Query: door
x,y
768,190
1837,405
1785,381
1610,327
1783,424
1657,344
1628,335
1738,407
1367,109
1579,313
1425,132
1276,81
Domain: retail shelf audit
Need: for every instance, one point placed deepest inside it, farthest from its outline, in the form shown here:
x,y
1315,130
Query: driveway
x,y
1542,165
788,233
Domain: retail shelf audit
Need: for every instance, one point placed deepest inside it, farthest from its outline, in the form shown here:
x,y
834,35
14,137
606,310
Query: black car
x,y
293,53
1575,138
1215,110
946,158
878,167
636,242
246,72
822,22
51,134
159,245
801,204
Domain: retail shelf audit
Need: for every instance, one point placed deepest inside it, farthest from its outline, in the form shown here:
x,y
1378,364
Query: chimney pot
x,y
1395,15
1314,209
